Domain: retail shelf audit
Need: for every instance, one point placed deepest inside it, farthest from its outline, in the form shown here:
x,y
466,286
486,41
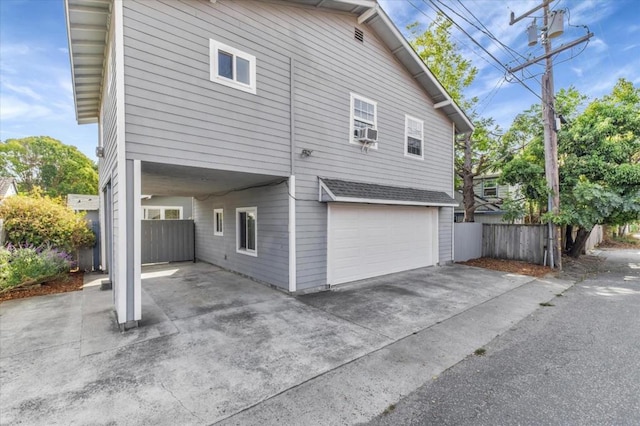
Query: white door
x,y
366,240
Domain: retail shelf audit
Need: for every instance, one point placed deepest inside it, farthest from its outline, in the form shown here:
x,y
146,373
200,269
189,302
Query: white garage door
x,y
368,240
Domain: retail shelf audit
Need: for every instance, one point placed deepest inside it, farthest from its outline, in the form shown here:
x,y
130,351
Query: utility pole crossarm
x,y
551,53
524,15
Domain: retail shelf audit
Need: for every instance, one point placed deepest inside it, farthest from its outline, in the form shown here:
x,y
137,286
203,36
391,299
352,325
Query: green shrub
x,y
31,265
39,220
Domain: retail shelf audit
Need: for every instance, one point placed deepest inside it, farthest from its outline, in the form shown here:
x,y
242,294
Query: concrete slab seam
x,y
384,347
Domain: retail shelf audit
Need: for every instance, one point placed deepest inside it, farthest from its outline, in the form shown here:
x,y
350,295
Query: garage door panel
x,y
371,240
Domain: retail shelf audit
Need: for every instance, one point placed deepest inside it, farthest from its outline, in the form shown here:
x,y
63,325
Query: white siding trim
x,y
292,234
329,246
392,202
137,240
407,118
453,189
214,47
162,209
239,210
219,233
121,277
353,97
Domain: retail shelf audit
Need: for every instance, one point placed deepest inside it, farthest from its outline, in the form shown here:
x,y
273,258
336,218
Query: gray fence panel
x,y
89,257
167,241
467,241
514,242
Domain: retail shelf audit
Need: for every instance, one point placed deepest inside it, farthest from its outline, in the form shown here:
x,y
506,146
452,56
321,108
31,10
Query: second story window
x,y
232,67
363,114
414,137
490,188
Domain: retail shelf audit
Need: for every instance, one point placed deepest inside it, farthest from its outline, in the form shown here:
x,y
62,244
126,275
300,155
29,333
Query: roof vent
x,y
359,35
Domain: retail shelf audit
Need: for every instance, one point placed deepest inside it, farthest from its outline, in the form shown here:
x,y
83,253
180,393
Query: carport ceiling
x,y
167,179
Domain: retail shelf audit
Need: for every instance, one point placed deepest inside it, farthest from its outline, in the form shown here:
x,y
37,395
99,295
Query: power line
x,y
455,38
482,47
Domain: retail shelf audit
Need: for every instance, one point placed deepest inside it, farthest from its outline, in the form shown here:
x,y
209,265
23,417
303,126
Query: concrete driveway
x,y
213,345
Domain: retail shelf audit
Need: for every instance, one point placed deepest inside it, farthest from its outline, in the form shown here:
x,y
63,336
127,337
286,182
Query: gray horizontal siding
x,y
174,112
272,264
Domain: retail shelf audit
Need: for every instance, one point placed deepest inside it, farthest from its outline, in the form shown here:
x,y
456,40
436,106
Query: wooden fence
x,y
514,242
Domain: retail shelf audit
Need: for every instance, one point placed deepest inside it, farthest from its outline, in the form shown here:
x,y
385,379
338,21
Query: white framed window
x,y
364,113
162,212
218,222
247,230
490,188
413,137
232,67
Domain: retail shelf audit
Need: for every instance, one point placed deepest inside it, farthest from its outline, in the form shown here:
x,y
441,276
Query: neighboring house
x,y
8,187
165,208
489,196
316,144
488,188
90,204
486,212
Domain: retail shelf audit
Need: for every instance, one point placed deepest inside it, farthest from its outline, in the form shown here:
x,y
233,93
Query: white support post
x,y
292,234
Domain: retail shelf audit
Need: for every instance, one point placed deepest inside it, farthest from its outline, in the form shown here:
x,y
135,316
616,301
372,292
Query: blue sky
x,y
35,81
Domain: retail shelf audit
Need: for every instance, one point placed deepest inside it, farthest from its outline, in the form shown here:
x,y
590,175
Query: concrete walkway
x,y
216,347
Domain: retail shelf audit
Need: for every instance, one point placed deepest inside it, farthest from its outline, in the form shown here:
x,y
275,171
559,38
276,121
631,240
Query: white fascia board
x,y
392,202
327,190
364,17
73,74
396,33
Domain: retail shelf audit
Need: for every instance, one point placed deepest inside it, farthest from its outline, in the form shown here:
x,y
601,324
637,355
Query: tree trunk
x,y
468,196
581,239
568,238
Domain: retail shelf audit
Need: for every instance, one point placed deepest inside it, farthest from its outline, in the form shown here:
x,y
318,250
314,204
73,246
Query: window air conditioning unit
x,y
367,134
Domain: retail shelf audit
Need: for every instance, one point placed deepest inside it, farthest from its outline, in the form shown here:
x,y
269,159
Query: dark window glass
x,y
225,64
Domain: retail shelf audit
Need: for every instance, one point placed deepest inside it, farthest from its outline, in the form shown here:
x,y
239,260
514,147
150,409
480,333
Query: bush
x,y
31,265
43,221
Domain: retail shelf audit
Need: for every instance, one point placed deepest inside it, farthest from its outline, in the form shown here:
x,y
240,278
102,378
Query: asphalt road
x,y
574,363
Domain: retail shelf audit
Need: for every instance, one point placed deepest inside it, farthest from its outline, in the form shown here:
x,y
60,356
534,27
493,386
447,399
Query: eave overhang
x,y
87,32
379,21
342,191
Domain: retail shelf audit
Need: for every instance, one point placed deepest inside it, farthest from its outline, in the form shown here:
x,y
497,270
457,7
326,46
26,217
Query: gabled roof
x,y
6,183
362,192
87,28
80,202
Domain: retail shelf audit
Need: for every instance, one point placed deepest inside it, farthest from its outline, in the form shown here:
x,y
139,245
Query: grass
x,y
480,351
389,409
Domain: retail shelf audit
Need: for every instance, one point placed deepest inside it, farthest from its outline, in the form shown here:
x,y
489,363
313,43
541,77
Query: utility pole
x,y
550,29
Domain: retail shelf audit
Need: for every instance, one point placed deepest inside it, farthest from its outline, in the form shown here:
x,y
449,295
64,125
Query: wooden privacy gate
x,y
167,241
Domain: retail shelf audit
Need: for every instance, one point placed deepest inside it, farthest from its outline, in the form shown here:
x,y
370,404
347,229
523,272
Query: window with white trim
x,y
232,67
247,230
413,137
364,113
218,222
490,188
161,212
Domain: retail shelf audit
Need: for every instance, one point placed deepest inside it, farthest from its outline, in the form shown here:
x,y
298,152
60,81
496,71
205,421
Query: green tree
x,y
483,150
599,157
41,161
526,134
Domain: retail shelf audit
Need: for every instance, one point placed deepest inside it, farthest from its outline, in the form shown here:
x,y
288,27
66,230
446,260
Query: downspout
x,y
292,180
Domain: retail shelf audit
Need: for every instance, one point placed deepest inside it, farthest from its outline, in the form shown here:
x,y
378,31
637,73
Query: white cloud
x,y
578,71
631,46
22,90
63,50
597,45
12,108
